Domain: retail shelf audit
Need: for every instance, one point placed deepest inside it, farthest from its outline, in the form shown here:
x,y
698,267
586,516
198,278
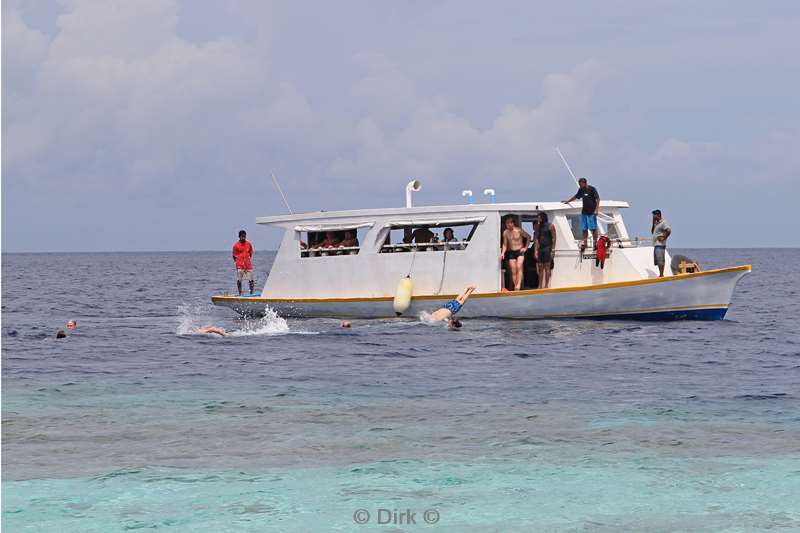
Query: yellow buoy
x,y
402,297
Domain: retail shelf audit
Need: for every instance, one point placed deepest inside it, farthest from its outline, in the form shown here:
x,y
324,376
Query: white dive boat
x,y
360,281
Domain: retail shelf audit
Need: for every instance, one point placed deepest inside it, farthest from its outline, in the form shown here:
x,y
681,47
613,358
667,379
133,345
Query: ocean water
x,y
136,422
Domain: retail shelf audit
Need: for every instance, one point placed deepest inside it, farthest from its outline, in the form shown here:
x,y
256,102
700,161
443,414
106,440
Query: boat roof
x,y
466,209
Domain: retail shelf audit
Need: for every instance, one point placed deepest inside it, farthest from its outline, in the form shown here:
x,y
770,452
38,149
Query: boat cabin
x,y
364,253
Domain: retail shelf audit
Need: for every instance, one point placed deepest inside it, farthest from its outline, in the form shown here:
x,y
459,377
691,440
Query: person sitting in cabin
x,y
543,245
422,235
515,242
449,237
331,240
448,312
350,240
243,258
591,206
661,232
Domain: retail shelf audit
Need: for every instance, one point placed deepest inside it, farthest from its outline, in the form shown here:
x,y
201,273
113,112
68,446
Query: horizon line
x,y
270,250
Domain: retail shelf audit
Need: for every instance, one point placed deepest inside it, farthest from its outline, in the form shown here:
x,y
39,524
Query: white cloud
x,y
120,100
22,46
444,147
385,93
123,99
674,150
288,116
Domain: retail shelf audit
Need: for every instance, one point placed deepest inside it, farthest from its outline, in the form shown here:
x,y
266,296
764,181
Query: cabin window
x,y
604,226
326,243
575,225
433,237
608,228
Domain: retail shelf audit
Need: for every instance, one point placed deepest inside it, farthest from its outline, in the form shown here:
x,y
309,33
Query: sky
x,y
154,125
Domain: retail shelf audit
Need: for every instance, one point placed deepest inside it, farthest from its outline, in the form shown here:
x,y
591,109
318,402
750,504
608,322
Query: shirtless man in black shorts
x,y
515,242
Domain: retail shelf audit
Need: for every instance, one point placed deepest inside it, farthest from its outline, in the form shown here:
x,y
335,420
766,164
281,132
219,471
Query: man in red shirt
x,y
243,257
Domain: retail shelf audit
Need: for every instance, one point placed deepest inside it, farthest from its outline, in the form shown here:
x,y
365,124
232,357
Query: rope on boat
x,y
444,264
413,256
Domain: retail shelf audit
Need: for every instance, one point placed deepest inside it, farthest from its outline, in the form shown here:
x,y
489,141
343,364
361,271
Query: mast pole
x,y
567,165
277,186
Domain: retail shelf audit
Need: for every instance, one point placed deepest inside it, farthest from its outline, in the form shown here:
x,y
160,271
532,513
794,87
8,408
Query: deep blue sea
x,y
134,421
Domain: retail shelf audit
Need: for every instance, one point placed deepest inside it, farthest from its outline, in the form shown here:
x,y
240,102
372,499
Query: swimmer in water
x,y
72,325
212,329
448,312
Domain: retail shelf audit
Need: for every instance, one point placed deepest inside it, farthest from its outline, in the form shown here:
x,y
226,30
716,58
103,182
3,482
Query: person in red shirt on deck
x,y
243,257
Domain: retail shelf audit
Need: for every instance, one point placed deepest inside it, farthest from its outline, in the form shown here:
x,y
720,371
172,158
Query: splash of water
x,y
269,324
193,317
427,319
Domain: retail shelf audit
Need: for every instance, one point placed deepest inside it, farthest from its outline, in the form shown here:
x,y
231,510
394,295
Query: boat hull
x,y
697,296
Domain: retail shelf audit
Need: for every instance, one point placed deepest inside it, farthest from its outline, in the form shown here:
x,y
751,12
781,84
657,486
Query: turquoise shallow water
x,y
733,494
132,422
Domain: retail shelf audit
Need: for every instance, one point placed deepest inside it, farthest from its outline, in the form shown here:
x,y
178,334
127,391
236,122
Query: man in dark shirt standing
x,y
591,205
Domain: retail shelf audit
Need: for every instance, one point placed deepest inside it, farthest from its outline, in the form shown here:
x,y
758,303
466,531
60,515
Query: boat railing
x,y
423,246
591,252
633,243
620,243
324,252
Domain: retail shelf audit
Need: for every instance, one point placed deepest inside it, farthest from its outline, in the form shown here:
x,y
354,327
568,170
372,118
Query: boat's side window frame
x,y
399,238
574,223
312,244
605,228
525,220
609,228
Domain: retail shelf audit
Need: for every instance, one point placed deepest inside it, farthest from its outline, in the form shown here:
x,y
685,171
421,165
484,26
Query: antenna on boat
x,y
564,159
277,186
601,216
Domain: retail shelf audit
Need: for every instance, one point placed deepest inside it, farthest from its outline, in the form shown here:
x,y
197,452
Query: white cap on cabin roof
x,y
450,211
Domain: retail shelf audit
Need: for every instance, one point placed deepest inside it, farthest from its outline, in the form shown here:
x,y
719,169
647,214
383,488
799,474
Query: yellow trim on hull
x,y
527,292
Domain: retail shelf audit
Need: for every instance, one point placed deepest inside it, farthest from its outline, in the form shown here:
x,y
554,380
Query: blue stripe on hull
x,y
717,313
688,314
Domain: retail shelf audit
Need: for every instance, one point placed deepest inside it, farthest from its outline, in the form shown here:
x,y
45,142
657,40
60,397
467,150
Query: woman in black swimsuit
x,y
544,244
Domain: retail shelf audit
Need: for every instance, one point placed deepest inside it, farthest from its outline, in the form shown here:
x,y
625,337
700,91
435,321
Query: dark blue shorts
x,y
453,306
